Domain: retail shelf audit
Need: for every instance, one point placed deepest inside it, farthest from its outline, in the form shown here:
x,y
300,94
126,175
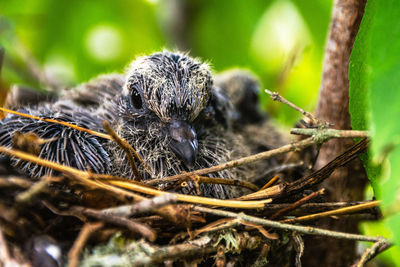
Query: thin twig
x,y
195,248
37,188
87,230
372,252
12,181
341,211
141,207
277,97
288,227
127,148
196,199
316,206
130,224
331,132
297,203
270,182
211,180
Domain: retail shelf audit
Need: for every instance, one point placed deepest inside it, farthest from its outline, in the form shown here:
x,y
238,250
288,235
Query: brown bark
x,y
345,184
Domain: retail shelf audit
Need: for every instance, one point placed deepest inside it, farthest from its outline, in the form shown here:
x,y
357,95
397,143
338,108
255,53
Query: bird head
x,y
171,89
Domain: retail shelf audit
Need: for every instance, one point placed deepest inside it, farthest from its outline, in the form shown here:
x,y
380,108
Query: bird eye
x,y
136,98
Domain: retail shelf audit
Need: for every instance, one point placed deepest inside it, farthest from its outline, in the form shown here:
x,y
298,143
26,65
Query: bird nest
x,y
101,220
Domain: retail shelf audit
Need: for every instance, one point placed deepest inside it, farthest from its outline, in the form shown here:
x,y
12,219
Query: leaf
x,y
375,96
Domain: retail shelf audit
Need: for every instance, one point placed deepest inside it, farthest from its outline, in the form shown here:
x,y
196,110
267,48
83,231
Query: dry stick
x,y
196,199
130,224
84,177
211,180
323,173
238,162
310,207
15,182
143,206
216,226
4,253
104,136
312,179
297,203
196,248
277,97
125,147
341,211
33,191
331,132
372,252
289,227
270,182
87,230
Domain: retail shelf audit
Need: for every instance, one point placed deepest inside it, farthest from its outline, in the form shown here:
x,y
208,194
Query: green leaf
x,y
375,96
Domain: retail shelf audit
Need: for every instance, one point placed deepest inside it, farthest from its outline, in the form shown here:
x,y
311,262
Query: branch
x,y
372,252
87,230
277,97
321,133
341,211
289,227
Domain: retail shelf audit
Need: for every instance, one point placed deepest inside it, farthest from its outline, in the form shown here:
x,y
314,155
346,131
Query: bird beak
x,y
183,142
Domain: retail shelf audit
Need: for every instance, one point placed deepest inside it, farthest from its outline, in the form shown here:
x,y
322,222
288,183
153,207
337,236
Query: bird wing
x,y
93,94
66,146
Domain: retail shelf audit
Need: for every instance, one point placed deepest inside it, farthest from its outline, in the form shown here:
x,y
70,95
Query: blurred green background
x,y
282,41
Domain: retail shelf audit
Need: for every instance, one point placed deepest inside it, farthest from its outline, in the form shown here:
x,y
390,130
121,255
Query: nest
x,y
100,220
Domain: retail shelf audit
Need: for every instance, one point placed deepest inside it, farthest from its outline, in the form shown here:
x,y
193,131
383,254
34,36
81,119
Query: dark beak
x,y
183,142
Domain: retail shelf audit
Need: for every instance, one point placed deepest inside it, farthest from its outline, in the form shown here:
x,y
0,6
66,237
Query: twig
x,y
5,257
277,97
298,203
196,248
270,182
196,199
341,211
239,162
317,206
128,149
299,248
372,252
130,224
15,182
143,206
4,253
87,230
219,225
211,180
323,173
28,195
330,132
288,227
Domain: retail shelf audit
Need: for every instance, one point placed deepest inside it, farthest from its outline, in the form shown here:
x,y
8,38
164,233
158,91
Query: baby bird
x,y
166,107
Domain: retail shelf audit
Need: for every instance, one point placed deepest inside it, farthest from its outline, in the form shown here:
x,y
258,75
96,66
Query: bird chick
x,y
165,106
